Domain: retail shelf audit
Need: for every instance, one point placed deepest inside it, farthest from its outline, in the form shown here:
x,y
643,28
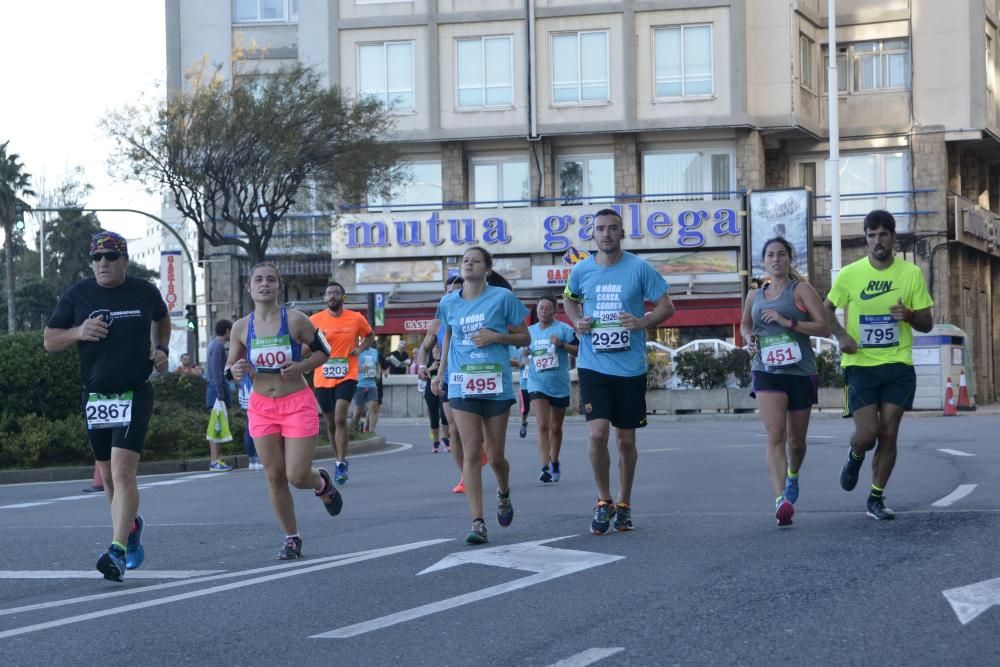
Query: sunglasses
x,y
110,256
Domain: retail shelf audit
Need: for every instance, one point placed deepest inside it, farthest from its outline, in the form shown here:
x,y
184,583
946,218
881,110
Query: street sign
x,y
545,562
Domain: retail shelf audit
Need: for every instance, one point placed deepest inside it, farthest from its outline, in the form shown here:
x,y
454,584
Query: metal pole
x,y
41,245
833,171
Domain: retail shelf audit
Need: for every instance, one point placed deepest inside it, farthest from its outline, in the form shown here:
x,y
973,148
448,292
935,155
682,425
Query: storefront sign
x,y
550,274
411,326
977,227
512,231
172,282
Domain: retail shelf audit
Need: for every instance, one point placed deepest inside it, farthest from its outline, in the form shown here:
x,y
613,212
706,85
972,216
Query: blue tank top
x,y
270,353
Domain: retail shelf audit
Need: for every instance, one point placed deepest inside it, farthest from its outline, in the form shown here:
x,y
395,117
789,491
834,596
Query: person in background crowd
x,y
218,387
366,399
186,367
398,359
243,396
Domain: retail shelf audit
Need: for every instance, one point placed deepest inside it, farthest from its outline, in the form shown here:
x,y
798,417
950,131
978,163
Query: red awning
x,y
688,313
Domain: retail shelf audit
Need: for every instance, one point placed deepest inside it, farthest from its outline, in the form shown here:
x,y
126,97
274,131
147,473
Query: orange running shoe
x,y
460,487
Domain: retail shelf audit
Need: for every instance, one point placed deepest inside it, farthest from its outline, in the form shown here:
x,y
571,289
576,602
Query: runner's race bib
x,y
544,358
335,368
608,335
368,371
271,354
878,331
780,350
109,410
478,380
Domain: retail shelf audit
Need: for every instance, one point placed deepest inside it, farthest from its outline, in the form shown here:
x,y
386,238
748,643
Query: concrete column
x,y
454,173
628,171
750,164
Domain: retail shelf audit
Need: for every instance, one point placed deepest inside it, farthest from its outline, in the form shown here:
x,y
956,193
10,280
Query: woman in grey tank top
x,y
778,320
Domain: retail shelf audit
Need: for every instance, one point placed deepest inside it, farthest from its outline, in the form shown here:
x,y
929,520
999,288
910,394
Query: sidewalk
x,y
65,473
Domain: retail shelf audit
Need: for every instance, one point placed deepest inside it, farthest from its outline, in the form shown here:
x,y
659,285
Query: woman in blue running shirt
x,y
548,383
482,321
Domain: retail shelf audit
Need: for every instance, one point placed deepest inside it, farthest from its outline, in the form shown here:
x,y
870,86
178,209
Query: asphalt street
x,y
705,579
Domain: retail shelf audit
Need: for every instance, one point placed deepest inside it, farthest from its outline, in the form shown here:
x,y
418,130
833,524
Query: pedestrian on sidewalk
x,y
218,387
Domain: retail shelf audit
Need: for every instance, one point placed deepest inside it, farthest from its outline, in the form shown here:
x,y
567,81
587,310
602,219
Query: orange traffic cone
x,y
949,400
964,404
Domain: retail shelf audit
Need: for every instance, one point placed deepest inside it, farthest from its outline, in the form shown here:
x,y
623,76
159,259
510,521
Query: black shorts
x,y
327,397
131,437
620,400
554,401
484,407
802,390
871,385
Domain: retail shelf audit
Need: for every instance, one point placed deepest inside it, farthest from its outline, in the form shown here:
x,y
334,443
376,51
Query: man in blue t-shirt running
x,y
605,300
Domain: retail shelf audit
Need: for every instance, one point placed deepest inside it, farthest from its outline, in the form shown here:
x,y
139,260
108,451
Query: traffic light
x,y
18,218
192,317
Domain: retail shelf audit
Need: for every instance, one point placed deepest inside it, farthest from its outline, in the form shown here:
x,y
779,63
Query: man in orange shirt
x,y
348,334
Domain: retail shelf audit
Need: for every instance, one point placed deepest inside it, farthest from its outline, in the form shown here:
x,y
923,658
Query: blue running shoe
x,y
603,513
505,510
291,549
340,472
784,510
556,472
791,492
135,553
849,473
112,564
623,518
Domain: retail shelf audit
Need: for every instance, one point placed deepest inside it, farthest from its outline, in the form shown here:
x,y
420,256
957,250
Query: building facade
x,y
519,119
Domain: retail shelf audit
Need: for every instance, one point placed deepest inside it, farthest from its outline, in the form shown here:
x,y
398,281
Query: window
x,y
807,72
683,61
580,67
676,175
500,180
422,190
587,179
991,67
871,175
485,72
258,11
867,66
385,72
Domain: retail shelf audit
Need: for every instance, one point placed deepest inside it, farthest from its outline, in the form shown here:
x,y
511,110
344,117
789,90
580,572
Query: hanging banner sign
x,y
172,282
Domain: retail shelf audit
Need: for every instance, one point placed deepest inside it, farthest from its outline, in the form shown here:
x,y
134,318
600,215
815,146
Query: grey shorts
x,y
364,395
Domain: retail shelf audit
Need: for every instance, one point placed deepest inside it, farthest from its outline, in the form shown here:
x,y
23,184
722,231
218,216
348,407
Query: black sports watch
x,y
164,349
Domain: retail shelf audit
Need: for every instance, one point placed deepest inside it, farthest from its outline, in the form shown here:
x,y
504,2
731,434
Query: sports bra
x,y
269,354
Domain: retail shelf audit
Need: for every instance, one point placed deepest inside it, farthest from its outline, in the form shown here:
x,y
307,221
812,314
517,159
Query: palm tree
x,y
15,183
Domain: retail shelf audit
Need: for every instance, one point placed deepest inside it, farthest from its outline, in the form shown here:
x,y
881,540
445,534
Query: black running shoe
x,y
849,473
112,564
545,476
333,502
878,511
524,430
505,510
291,549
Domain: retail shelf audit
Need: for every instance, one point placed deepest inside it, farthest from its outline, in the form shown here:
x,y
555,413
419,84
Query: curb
x,y
67,473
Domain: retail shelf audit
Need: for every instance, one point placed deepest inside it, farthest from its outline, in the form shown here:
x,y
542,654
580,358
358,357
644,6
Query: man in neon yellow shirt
x,y
884,299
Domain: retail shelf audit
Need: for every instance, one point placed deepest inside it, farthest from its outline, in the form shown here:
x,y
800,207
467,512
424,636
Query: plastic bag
x,y
218,424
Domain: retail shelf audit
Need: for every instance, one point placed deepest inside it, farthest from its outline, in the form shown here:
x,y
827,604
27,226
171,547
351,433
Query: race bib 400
x,y
271,354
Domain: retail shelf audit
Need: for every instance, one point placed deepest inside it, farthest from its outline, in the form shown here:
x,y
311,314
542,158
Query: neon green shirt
x,y
866,294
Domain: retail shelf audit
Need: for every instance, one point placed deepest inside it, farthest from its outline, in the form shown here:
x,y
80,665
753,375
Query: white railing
x,y
717,347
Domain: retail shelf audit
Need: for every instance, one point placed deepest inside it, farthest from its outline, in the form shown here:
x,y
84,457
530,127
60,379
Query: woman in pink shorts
x,y
283,419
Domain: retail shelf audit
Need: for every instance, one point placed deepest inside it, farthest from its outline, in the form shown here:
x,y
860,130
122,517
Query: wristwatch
x,y
164,349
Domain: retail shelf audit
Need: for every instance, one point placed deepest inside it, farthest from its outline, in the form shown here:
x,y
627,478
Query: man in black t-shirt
x,y
121,328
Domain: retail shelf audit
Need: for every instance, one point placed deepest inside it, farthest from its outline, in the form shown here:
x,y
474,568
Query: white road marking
x,y
955,452
962,491
970,601
341,561
179,480
697,448
90,574
808,436
546,562
588,657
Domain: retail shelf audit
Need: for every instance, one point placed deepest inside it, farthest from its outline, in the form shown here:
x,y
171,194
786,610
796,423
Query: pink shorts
x,y
292,416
